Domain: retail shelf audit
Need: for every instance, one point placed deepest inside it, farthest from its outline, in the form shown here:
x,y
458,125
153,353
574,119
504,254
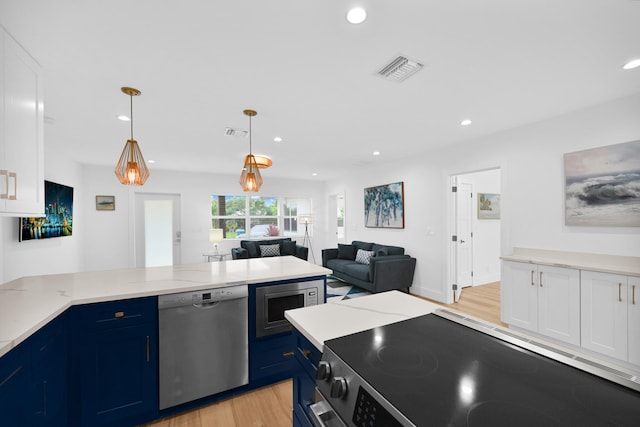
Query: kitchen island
x,y
82,348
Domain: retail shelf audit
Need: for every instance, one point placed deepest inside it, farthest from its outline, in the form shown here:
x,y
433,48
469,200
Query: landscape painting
x,y
58,219
602,186
488,206
384,206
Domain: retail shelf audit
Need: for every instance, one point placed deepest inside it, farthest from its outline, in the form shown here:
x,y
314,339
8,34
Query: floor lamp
x,y
306,220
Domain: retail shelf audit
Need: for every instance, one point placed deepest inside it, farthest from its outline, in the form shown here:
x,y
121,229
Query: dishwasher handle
x,y
206,305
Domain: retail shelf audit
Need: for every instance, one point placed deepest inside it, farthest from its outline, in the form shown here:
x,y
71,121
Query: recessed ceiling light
x,y
357,15
151,161
277,139
376,153
465,122
632,64
123,118
314,174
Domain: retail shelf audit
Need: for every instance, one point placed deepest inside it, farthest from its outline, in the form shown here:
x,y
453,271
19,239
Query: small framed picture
x,y
105,203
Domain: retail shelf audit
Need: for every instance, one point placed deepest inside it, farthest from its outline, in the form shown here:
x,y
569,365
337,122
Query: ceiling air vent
x,y
400,69
235,132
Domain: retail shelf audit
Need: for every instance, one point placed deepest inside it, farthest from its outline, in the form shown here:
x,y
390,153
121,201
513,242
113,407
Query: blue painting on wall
x,y
58,219
384,206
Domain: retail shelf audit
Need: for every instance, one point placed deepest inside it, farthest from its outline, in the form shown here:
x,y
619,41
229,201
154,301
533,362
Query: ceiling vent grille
x,y
235,132
400,69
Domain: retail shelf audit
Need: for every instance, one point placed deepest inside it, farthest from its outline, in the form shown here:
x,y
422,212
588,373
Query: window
x,y
257,216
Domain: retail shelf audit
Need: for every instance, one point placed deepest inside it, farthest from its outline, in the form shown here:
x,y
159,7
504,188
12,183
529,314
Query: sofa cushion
x,y
251,247
288,247
359,271
383,250
362,245
346,252
363,257
270,250
339,264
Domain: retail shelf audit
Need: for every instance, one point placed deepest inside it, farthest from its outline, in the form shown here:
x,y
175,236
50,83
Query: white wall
x,y
48,256
531,163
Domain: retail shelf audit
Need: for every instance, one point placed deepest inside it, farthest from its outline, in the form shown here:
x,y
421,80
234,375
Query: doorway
x,y
157,230
336,219
474,256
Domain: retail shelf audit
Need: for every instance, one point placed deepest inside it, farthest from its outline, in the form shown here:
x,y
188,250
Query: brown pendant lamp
x,y
250,178
131,168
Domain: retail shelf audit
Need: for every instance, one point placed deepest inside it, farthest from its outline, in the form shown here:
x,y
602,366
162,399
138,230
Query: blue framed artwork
x,y
384,206
58,219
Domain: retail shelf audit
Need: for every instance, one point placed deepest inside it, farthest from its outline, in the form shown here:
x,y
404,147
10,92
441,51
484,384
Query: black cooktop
x,y
440,373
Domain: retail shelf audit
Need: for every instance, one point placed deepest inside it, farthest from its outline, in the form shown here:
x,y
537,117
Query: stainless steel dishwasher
x,y
203,343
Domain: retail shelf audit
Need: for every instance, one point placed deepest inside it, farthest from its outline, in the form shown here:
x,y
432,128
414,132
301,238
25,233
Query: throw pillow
x,y
269,250
288,247
346,252
363,257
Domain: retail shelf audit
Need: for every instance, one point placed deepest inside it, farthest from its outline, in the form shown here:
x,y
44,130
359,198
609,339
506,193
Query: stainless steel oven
x,y
273,300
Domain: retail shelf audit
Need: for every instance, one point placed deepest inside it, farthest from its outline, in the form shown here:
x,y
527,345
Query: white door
x,y
157,229
464,219
336,219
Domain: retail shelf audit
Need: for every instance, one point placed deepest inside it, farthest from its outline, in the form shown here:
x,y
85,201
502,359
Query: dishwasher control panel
x,y
208,296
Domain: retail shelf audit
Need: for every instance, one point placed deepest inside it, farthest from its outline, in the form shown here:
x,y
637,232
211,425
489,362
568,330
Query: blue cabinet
x,y
33,379
304,382
114,368
14,387
271,359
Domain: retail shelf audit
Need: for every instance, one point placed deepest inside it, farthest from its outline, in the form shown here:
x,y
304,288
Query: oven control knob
x,y
338,387
324,371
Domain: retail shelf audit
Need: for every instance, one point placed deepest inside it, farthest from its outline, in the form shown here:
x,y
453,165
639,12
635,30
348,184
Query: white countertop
x,y
627,265
323,322
29,303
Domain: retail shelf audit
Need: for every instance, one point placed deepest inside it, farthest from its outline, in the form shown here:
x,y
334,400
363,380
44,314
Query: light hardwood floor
x,y
272,406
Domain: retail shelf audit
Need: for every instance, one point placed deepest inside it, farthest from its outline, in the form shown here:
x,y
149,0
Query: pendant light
x,y
131,168
250,179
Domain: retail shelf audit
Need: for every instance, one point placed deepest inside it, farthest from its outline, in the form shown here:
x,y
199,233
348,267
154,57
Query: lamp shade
x,y
216,235
305,219
131,168
250,178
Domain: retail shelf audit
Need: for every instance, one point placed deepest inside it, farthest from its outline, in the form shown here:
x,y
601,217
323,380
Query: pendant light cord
x,y
131,109
249,134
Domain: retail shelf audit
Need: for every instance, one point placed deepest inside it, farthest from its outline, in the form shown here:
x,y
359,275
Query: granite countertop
x,y
323,322
29,303
616,264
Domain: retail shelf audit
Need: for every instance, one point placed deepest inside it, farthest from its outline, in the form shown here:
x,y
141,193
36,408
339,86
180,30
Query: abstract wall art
x,y
384,206
58,219
602,186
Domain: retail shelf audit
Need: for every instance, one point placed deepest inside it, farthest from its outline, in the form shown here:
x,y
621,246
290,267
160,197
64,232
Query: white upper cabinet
x,y
21,131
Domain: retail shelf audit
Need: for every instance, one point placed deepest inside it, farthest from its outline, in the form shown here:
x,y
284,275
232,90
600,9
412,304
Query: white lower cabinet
x,y
604,307
542,299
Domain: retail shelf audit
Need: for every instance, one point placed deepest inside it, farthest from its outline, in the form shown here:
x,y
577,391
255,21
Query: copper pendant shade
x,y
131,168
250,178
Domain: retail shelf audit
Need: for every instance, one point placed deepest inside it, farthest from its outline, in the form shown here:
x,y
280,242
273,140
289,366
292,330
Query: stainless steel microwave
x,y
272,301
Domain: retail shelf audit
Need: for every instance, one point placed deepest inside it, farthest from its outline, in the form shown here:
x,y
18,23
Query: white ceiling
x,y
312,76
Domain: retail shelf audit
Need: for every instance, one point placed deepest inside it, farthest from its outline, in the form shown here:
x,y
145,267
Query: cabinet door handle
x,y
288,354
541,279
306,353
633,294
620,292
532,282
15,185
148,348
6,180
118,314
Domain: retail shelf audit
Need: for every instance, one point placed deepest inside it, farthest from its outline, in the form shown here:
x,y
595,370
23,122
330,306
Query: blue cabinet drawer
x,y
272,358
307,354
114,314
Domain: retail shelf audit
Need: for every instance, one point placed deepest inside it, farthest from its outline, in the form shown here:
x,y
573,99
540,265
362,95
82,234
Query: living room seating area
x,y
371,266
269,247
